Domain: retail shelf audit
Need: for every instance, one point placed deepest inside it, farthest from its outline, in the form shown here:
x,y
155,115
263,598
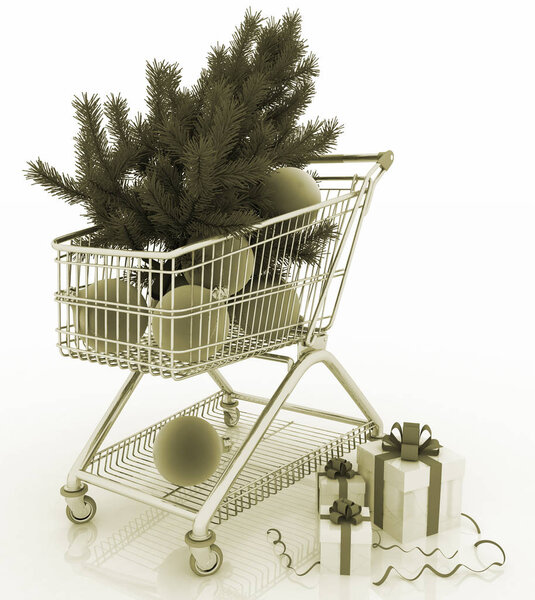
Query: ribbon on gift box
x,y
341,469
410,444
345,513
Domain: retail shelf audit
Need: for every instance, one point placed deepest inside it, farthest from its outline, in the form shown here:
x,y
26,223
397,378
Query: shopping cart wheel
x,y
91,505
202,572
231,419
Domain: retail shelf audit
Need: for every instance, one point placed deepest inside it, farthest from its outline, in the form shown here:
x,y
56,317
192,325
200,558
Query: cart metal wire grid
x,y
194,310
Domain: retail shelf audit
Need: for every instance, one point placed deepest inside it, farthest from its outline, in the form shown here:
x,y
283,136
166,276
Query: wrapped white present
x,y
345,539
413,488
339,480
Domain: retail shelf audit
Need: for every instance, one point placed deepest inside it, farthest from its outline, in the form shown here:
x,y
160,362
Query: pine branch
x,y
219,223
242,173
307,68
245,34
298,248
293,104
173,136
226,126
161,210
308,142
163,88
169,175
122,231
62,186
122,163
145,139
117,113
199,164
217,61
252,95
241,49
196,163
92,135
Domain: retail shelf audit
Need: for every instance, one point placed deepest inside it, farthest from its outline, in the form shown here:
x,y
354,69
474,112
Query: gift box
x,y
413,487
345,539
339,480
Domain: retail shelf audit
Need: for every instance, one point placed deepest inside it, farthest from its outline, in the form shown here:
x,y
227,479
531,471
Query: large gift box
x,y
345,539
339,480
413,485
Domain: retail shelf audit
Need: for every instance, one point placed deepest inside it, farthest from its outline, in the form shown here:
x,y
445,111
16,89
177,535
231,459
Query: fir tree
x,y
194,165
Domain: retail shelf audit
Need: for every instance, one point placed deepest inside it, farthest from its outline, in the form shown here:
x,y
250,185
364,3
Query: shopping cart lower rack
x,y
120,308
286,453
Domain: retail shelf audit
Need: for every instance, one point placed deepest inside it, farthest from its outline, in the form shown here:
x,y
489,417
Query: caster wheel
x,y
201,572
92,510
231,420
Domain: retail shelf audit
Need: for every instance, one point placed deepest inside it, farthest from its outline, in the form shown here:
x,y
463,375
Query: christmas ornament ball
x,y
190,325
109,321
229,265
187,450
264,310
291,189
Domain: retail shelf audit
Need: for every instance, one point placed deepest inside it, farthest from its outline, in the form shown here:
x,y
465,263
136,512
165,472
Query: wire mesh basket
x,y
210,303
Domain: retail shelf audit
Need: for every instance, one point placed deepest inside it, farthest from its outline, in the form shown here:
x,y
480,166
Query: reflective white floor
x,y
132,551
146,558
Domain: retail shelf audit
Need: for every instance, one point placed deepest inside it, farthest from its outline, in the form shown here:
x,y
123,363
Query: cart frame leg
x,y
221,381
229,404
74,489
201,537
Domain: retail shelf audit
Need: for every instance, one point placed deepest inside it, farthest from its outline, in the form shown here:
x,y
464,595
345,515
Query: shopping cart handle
x,y
386,159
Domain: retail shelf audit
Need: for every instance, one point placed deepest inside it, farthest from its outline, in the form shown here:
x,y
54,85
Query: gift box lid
x,y
409,475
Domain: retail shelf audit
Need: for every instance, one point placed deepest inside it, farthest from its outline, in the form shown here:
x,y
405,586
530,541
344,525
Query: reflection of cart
x,y
107,314
143,559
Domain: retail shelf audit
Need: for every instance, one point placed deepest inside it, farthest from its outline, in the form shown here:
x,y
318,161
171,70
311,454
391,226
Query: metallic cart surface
x,y
121,324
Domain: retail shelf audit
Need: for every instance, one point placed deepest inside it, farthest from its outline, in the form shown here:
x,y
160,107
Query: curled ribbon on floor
x,y
283,554
428,567
390,568
378,545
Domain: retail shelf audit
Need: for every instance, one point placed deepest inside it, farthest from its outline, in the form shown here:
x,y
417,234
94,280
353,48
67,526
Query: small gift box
x,y
339,480
413,486
345,539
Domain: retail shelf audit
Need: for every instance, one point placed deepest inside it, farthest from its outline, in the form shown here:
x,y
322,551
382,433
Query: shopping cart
x,y
195,309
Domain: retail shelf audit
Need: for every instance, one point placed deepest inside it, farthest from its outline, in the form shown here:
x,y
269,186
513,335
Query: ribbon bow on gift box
x,y
345,513
346,510
339,467
410,443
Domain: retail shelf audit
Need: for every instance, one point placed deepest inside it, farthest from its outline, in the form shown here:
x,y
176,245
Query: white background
x,y
437,322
